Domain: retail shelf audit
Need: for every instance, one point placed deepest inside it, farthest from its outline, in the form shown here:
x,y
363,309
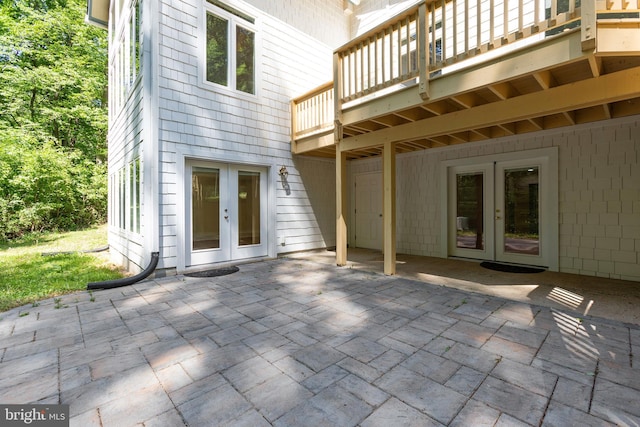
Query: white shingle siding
x,y
598,194
319,19
199,120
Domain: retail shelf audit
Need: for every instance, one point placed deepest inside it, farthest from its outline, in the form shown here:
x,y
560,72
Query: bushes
x,y
47,188
53,117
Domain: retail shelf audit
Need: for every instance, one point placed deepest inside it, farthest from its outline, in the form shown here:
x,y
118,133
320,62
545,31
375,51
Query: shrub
x,y
43,187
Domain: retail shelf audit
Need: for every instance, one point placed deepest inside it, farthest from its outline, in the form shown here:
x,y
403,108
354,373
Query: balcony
x,y
456,71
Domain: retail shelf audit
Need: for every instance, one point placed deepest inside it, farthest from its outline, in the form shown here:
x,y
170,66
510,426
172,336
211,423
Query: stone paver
x,y
291,342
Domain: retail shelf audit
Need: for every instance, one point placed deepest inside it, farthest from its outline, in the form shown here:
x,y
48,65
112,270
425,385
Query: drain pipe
x,y
126,281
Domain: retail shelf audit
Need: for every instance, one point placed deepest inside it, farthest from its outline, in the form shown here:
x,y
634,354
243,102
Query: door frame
x,y
183,211
549,220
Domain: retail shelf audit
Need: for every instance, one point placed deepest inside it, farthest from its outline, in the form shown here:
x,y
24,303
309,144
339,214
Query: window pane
x,y
217,42
245,60
205,199
469,211
132,196
248,208
137,195
122,197
521,230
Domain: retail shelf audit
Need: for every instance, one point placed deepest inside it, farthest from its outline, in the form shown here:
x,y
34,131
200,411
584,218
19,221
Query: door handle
x,y
497,217
226,217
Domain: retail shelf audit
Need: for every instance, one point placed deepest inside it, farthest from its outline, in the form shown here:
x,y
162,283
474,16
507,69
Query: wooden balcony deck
x,y
456,71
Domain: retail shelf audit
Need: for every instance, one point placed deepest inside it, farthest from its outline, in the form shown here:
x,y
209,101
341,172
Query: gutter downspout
x,y
110,284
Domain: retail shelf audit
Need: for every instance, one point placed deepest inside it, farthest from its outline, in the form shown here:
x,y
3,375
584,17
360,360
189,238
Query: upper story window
x,y
125,50
230,47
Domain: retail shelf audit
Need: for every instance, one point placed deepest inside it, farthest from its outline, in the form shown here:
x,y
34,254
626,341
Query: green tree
x,y
53,117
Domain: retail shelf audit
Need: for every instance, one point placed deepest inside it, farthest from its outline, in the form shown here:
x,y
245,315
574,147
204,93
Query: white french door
x,y
226,212
503,210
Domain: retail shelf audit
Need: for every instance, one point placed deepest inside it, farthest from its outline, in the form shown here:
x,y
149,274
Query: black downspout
x,y
110,284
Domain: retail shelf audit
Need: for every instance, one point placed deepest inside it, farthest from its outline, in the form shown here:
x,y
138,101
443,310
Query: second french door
x,y
226,212
502,211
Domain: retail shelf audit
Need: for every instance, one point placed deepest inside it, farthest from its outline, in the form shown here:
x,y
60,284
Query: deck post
x,y
588,25
341,167
423,48
294,126
389,207
341,207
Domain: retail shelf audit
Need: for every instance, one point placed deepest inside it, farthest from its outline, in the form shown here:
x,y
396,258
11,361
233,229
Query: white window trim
x,y
122,78
257,48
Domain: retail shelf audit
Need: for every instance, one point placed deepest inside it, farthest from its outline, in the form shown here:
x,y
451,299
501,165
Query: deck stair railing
x,y
420,43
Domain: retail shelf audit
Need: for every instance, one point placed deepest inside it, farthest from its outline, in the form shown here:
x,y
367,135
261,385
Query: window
x,y
134,196
126,50
134,43
230,47
125,197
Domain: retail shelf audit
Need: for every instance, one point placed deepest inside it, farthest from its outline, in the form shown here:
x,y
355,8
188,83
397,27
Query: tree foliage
x,y
53,117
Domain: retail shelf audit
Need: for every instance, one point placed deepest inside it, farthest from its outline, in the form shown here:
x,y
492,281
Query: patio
x,y
298,341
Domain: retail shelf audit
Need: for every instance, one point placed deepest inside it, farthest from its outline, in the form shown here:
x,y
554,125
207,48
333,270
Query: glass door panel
x,y
205,198
248,208
522,214
470,211
521,211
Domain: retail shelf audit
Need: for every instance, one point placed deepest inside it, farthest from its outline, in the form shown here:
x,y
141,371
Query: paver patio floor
x,y
292,342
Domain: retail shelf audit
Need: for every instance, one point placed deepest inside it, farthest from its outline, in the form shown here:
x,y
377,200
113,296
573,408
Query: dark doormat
x,y
510,268
214,273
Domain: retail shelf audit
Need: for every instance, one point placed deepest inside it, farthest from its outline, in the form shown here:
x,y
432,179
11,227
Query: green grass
x,y
26,276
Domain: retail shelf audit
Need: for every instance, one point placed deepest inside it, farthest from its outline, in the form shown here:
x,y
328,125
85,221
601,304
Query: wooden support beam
x,y
608,88
341,207
485,133
595,63
389,207
313,143
503,90
545,79
538,122
570,116
423,57
509,128
588,23
466,100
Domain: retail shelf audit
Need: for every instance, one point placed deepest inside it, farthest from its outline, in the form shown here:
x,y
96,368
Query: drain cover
x,y
214,273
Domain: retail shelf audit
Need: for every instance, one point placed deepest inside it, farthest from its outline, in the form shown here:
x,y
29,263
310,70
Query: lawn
x,y
27,276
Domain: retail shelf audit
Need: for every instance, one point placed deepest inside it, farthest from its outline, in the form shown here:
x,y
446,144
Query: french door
x,y
501,210
226,212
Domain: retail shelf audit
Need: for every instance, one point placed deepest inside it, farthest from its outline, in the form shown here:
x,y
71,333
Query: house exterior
x,y
487,130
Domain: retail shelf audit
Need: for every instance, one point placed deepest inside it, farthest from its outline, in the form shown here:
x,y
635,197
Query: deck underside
x,y
548,85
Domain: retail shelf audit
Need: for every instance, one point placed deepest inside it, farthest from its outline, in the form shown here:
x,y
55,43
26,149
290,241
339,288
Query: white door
x,y
368,213
226,212
501,211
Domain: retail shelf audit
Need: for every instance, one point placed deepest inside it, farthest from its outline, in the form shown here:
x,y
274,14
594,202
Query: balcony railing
x,y
434,37
313,113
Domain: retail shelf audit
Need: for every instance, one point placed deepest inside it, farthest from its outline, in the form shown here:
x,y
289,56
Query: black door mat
x,y
214,273
510,268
